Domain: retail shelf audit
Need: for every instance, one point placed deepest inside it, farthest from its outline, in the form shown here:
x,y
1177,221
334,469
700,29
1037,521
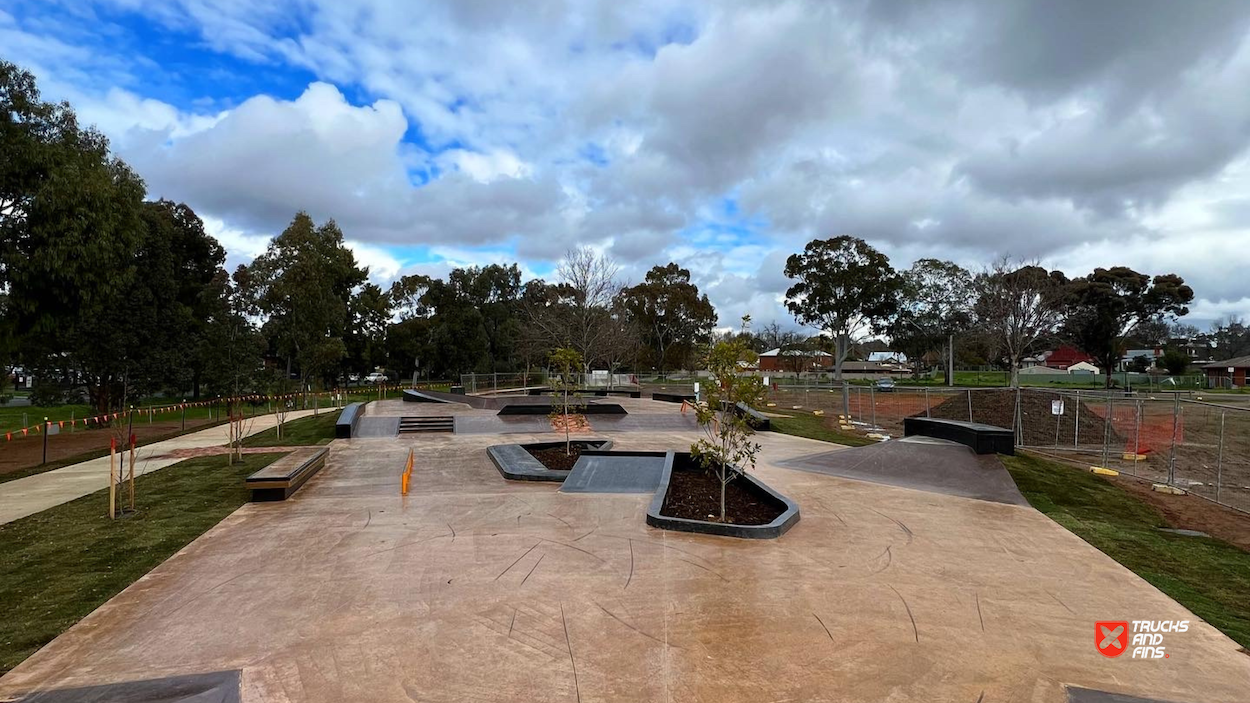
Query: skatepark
x,y
917,573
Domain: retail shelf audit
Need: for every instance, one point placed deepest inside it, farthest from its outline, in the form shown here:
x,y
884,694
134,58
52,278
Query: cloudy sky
x,y
722,135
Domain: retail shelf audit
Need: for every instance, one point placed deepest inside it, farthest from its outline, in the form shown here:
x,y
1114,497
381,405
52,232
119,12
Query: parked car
x,y
885,385
375,377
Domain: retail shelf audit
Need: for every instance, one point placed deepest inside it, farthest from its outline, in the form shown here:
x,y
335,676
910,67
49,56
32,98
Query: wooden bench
x,y
285,476
983,439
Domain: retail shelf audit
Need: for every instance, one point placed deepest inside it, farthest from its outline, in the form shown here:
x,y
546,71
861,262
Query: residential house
x,y
1065,356
795,360
1150,355
1229,373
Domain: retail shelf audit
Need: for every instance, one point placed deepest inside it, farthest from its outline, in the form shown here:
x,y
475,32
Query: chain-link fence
x,y
1175,438
512,382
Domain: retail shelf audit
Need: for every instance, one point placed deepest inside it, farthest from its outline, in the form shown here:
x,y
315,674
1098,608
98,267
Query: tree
x,y
408,341
1017,307
565,402
1175,361
1230,338
726,448
1103,307
844,286
669,311
233,346
936,299
304,282
577,312
370,312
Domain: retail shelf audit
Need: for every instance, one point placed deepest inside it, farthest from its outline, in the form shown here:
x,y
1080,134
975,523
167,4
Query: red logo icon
x,y
1111,637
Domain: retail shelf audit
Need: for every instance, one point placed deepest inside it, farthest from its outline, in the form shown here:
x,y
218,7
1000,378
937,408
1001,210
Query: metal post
x,y
1017,422
846,400
71,422
926,403
184,413
1219,458
950,362
1137,438
1106,432
1176,419
872,398
46,425
969,392
1076,434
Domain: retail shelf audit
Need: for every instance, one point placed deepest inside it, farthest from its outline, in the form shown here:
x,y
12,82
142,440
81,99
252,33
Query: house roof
x,y
794,352
1235,362
1066,355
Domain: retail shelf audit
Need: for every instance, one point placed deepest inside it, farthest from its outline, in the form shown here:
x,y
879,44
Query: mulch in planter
x,y
556,458
694,494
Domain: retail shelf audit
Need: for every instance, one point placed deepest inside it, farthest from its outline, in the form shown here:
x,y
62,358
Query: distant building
x,y
1228,373
795,360
887,356
1083,367
1150,355
1065,356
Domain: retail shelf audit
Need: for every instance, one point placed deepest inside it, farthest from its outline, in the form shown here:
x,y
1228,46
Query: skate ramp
x,y
920,463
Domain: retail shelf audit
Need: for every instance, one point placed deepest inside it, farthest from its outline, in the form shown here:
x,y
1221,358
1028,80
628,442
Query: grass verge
x,y
813,427
1206,575
314,429
60,564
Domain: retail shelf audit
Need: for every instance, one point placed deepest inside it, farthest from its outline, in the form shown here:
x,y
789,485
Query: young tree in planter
x,y
565,367
727,449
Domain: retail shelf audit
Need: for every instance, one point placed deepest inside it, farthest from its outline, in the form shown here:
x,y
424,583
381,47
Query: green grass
x,y
314,429
813,427
60,564
1206,575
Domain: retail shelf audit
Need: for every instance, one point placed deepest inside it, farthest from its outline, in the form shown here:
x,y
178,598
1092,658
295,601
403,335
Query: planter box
x,y
515,463
681,461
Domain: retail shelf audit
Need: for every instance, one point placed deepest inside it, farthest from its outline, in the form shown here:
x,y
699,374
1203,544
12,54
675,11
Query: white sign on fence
x,y
1056,407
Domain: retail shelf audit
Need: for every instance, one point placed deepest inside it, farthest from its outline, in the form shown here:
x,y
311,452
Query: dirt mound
x,y
999,408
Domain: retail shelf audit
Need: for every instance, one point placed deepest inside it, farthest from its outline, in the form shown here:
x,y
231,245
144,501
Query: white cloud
x,y
1085,135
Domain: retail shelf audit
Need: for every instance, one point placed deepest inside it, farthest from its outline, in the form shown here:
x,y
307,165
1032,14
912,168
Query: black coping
x,y
599,392
1089,695
778,527
756,419
267,485
920,463
345,426
984,439
214,687
517,464
673,397
412,395
546,409
616,472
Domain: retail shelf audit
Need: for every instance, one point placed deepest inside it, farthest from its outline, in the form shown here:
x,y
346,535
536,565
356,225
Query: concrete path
x,y
27,496
473,588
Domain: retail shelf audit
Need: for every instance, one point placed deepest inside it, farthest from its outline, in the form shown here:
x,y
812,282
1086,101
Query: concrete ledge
x,y
599,392
756,419
673,397
282,478
349,419
412,395
778,527
516,464
983,439
547,408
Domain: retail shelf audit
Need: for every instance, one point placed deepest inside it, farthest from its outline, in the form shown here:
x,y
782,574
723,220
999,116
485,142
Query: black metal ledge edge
x,y
345,426
672,397
982,438
778,527
516,464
